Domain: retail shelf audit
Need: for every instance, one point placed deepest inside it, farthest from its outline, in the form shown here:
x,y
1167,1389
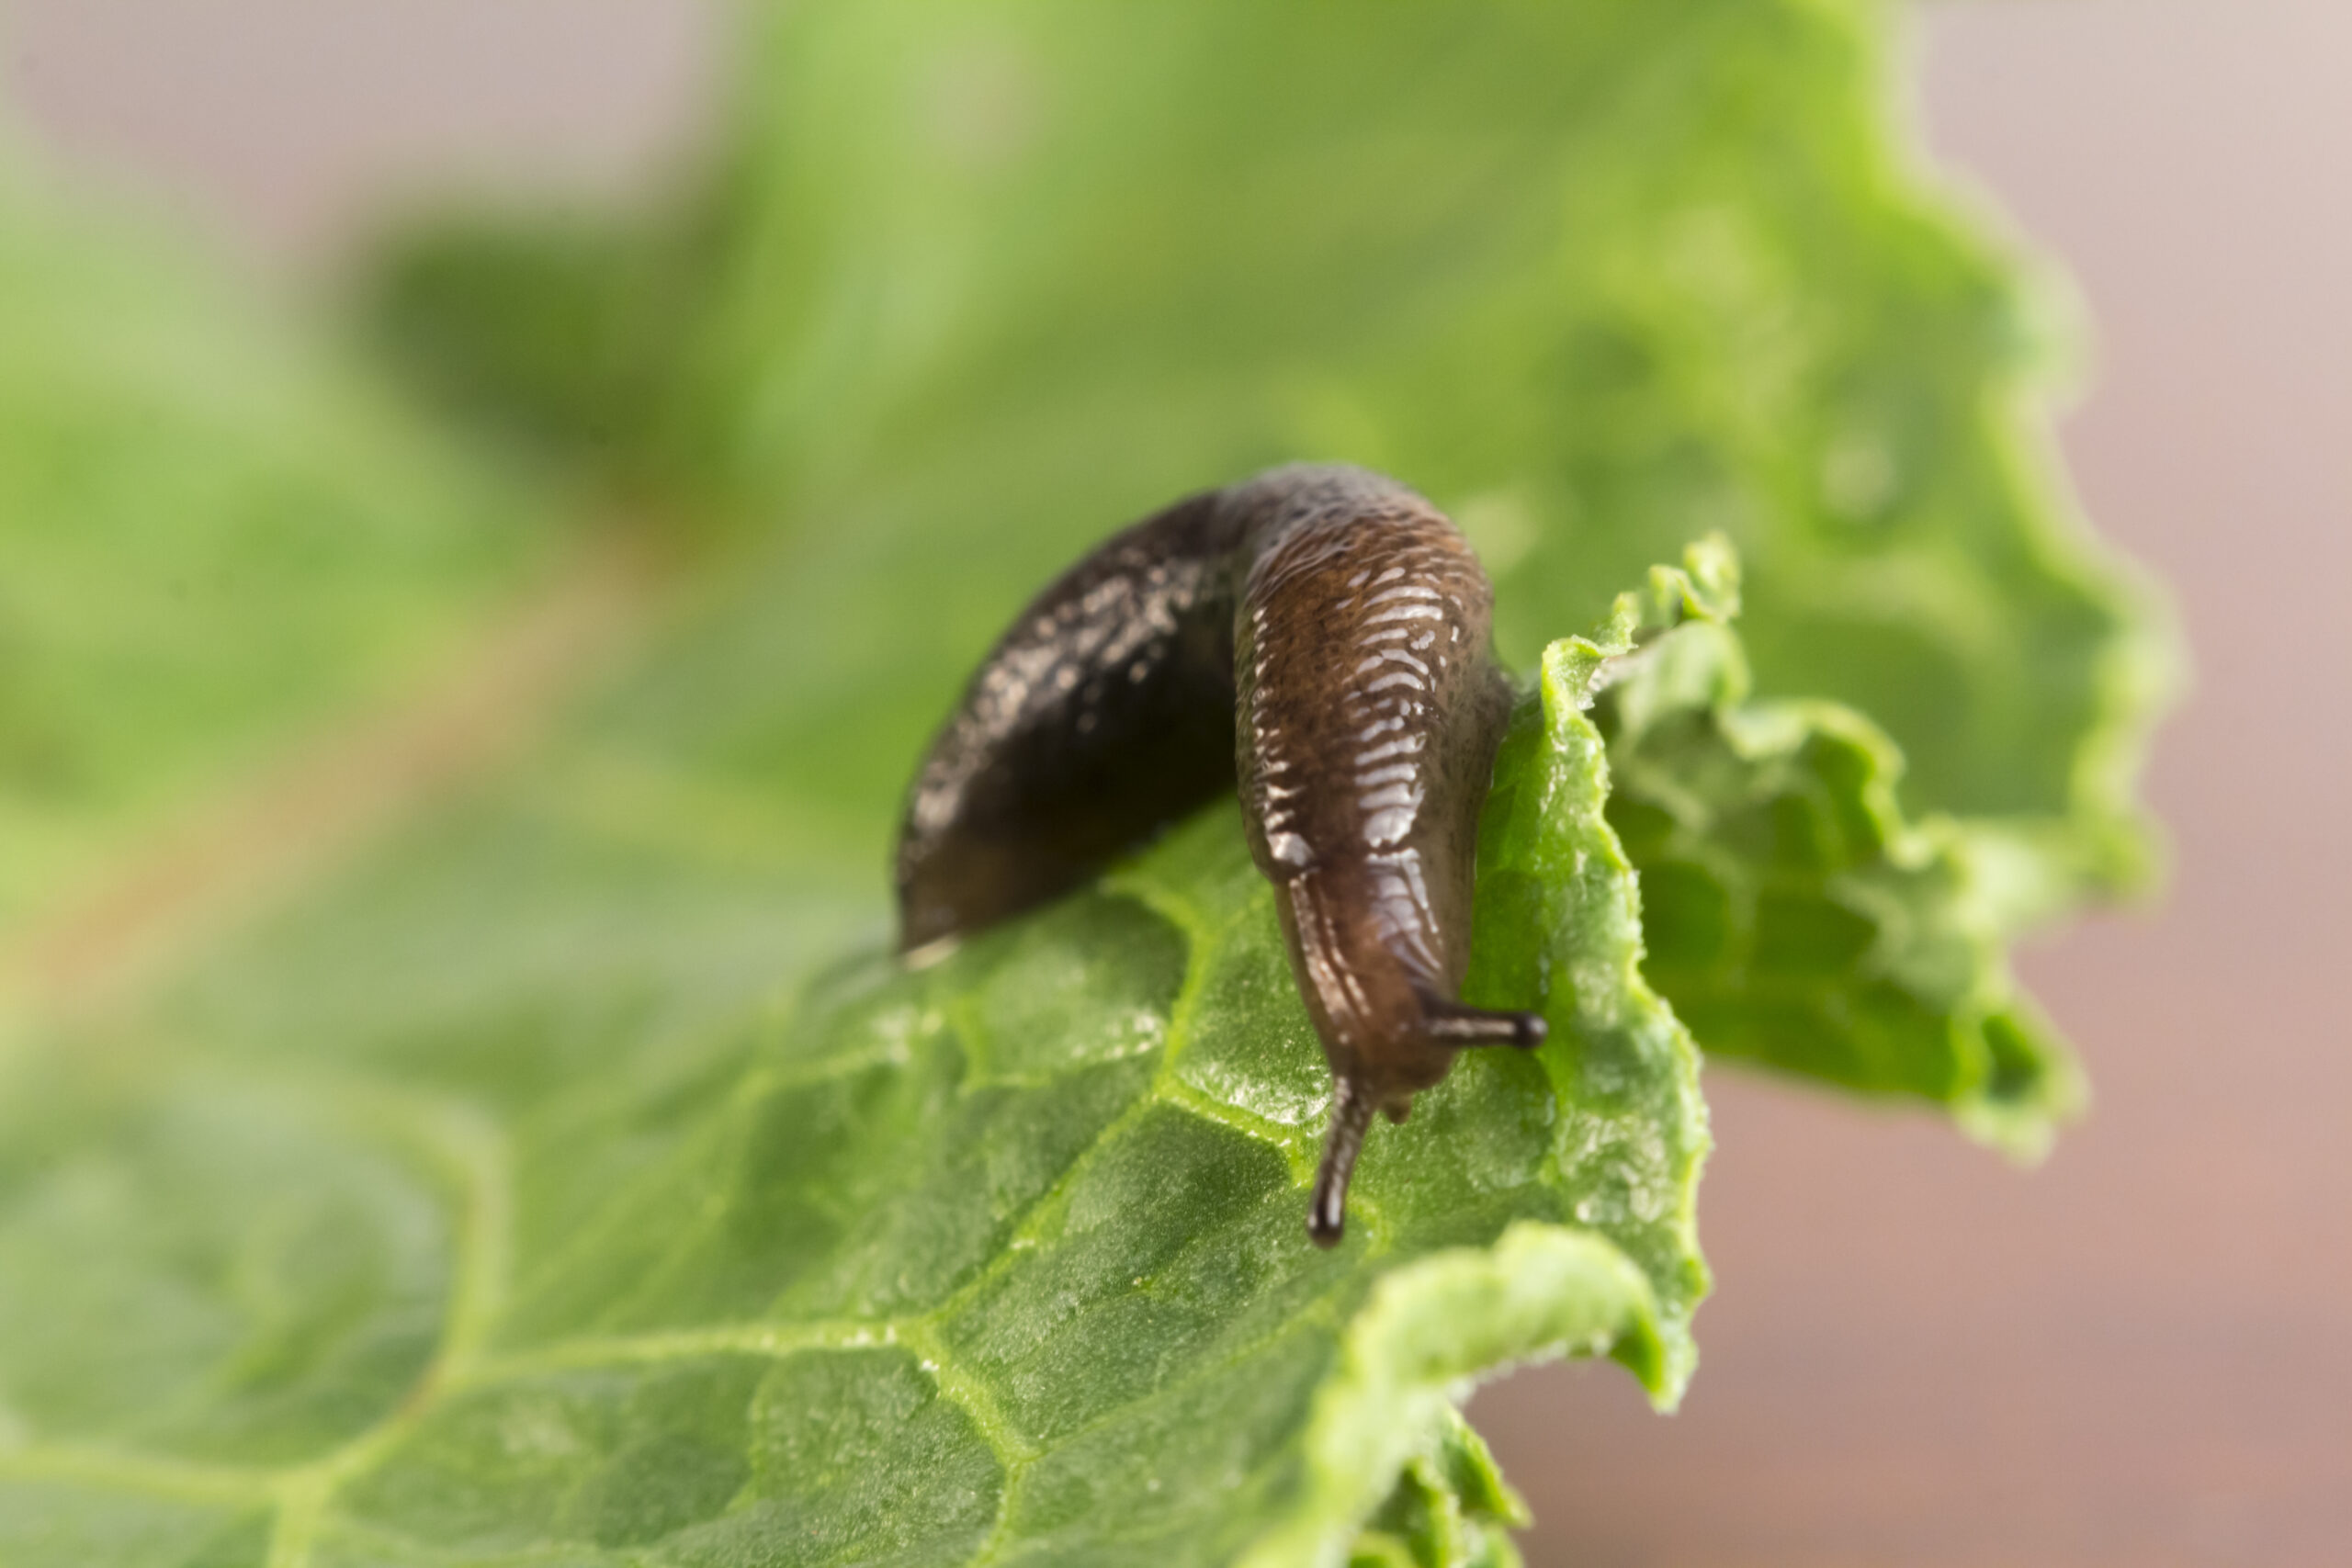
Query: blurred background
x,y
2137,1354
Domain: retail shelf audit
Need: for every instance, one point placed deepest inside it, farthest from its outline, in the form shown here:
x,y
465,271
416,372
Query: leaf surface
x,y
1001,1260
572,1179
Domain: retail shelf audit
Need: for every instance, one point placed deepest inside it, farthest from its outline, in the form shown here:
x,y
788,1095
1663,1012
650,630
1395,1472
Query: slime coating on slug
x,y
1318,638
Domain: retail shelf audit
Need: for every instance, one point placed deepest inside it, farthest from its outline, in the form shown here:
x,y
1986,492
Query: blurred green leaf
x,y
213,536
1450,1507
574,1179
547,336
1793,914
1598,277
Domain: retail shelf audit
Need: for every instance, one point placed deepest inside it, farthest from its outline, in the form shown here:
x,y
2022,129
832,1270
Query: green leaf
x,y
546,334
1597,277
1451,1506
575,1179
1000,1259
1795,917
213,537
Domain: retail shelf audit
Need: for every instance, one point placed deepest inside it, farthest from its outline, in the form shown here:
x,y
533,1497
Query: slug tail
x,y
1326,1211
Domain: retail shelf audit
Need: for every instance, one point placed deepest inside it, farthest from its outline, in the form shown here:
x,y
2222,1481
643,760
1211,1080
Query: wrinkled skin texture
x,y
1317,638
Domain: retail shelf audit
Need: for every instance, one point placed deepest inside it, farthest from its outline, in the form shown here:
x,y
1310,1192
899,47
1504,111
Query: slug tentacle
x,y
1318,637
1327,1209
1458,1024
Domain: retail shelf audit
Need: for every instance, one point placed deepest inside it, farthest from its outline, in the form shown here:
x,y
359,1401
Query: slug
x,y
1317,638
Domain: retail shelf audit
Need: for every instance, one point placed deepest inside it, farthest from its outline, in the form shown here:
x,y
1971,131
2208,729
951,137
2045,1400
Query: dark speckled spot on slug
x,y
1317,638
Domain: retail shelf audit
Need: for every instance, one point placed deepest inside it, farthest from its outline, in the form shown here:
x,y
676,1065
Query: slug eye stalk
x,y
1458,1024
1326,1207
1445,1024
1317,639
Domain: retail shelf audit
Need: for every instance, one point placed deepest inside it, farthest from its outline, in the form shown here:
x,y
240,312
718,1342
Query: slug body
x,y
1318,637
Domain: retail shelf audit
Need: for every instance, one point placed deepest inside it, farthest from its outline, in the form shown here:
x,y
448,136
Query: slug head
x,y
1360,1089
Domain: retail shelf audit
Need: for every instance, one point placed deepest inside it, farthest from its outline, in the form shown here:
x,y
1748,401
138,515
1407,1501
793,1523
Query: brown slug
x,y
1318,636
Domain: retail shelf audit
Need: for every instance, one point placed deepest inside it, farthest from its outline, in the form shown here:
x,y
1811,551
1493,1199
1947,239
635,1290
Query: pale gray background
x,y
2136,1356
